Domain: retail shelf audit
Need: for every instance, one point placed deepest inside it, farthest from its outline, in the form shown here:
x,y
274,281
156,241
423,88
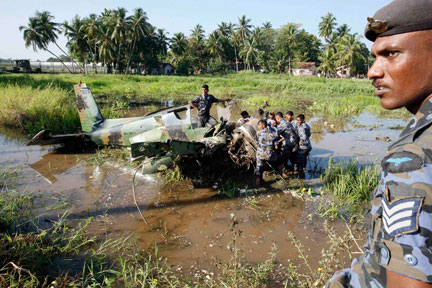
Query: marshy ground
x,y
288,234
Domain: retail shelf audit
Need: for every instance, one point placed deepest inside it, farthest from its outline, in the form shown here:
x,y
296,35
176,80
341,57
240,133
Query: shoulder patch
x,y
401,216
400,162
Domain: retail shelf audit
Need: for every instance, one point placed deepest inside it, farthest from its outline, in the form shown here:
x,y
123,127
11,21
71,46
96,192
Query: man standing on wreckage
x,y
399,247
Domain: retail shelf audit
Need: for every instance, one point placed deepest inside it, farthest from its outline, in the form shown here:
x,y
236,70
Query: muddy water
x,y
192,227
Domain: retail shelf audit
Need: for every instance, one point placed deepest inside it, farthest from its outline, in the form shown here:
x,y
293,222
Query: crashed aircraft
x,y
166,132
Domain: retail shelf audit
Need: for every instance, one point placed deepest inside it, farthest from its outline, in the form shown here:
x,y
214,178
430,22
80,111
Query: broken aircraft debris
x,y
160,134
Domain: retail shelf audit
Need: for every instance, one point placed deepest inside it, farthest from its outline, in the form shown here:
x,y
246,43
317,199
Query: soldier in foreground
x,y
202,104
398,251
304,147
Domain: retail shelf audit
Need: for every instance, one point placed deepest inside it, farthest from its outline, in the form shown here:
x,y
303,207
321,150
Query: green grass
x,y
34,102
351,186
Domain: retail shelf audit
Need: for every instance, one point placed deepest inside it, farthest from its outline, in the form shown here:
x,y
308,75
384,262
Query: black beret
x,y
400,16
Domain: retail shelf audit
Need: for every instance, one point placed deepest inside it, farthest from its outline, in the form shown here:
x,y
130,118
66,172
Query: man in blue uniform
x,y
287,139
304,146
202,104
399,247
265,152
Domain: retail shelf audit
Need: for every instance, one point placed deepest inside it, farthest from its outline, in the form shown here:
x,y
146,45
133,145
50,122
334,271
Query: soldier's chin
x,y
388,104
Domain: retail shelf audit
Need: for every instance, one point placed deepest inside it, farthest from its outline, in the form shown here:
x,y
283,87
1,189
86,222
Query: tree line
x,y
129,44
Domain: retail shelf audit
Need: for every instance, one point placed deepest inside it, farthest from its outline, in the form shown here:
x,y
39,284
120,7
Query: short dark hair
x,y
205,86
301,116
279,114
291,113
263,122
244,113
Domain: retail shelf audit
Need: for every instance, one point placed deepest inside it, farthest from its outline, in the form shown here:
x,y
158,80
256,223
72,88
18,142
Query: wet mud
x,y
190,225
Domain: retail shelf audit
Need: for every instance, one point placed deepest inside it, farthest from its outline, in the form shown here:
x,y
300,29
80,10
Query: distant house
x,y
165,69
304,69
343,72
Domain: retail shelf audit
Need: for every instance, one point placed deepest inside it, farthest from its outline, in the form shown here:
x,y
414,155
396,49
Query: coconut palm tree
x,y
327,25
162,42
342,30
138,30
350,50
214,45
119,33
249,52
327,61
179,44
244,28
39,36
267,25
77,43
197,33
224,29
91,28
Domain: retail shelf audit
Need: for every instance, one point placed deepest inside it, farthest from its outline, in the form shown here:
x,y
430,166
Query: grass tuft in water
x,y
350,184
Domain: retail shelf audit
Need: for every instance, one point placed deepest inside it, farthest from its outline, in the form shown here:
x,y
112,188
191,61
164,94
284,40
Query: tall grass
x,y
350,184
33,109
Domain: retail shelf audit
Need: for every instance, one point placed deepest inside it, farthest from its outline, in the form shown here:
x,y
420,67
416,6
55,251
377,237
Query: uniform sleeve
x,y
406,240
195,100
214,99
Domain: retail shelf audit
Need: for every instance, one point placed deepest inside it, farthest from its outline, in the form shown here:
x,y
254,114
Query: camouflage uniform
x,y
286,130
204,104
305,147
400,237
265,151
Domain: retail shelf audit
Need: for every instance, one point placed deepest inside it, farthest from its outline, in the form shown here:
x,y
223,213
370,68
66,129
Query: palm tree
x,y
76,39
224,29
249,52
214,45
179,44
162,42
38,35
349,51
327,61
91,27
244,27
138,30
50,30
122,25
267,25
342,30
197,33
327,25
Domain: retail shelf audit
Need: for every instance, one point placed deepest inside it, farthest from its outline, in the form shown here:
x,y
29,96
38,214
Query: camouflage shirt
x,y
265,139
204,104
400,238
303,132
286,130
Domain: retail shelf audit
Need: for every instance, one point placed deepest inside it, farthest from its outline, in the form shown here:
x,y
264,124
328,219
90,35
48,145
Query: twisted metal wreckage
x,y
160,135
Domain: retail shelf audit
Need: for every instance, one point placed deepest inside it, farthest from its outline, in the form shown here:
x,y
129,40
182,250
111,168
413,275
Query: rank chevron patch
x,y
401,216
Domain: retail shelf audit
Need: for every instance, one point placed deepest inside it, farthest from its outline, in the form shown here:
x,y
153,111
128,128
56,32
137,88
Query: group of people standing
x,y
282,141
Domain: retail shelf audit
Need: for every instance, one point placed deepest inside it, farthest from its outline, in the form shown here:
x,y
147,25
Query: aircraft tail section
x,y
89,113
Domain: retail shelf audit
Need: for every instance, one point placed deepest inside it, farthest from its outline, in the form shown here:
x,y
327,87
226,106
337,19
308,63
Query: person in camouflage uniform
x,y
399,247
202,104
287,138
304,147
265,152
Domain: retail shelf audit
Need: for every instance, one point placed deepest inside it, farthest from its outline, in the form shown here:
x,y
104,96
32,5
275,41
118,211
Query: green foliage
x,y
350,184
229,188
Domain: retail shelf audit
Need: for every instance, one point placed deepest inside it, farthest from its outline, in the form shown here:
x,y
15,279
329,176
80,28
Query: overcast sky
x,y
182,15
